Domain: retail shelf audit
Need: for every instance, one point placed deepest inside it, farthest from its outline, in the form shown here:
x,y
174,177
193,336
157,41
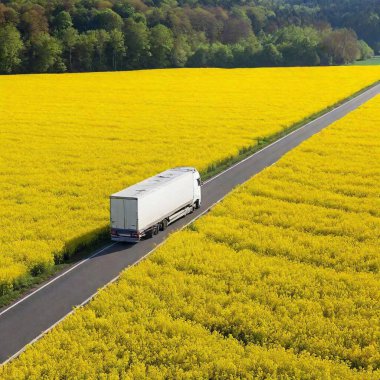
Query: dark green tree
x,y
84,52
258,16
161,46
101,38
45,54
11,47
108,20
117,49
62,21
123,8
220,55
200,58
181,51
82,19
137,44
299,46
269,56
365,50
69,38
245,52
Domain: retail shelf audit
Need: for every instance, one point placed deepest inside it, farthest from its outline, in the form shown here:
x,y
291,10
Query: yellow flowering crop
x,y
68,141
280,280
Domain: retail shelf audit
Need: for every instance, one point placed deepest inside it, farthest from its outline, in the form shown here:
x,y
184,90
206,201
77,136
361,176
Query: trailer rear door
x,y
130,215
117,213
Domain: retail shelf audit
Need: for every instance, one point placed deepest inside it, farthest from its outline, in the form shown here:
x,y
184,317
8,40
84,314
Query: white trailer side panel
x,y
165,200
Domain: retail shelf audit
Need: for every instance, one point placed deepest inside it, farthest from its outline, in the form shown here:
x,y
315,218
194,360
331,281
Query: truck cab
x,y
197,189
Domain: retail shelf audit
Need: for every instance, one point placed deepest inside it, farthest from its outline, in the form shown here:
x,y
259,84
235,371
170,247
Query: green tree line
x,y
99,35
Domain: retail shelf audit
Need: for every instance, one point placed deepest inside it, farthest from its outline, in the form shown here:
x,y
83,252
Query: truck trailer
x,y
144,209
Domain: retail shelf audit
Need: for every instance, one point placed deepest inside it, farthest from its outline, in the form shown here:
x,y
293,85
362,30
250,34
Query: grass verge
x,y
374,61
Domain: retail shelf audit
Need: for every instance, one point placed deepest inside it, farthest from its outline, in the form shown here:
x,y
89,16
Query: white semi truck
x,y
151,205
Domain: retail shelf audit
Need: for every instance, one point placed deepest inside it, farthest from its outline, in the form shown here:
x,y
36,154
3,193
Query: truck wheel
x,y
164,225
197,204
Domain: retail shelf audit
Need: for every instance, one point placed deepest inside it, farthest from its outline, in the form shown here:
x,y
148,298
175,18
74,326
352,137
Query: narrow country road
x,y
27,318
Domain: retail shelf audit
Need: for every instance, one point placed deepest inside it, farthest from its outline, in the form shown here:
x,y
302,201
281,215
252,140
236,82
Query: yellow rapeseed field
x,y
68,141
281,281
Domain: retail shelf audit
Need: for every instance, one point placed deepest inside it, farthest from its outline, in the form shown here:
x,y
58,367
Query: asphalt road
x,y
26,319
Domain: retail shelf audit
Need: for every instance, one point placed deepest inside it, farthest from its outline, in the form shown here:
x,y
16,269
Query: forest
x,y
38,36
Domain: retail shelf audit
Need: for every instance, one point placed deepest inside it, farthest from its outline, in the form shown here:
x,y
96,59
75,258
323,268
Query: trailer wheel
x,y
155,229
164,225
